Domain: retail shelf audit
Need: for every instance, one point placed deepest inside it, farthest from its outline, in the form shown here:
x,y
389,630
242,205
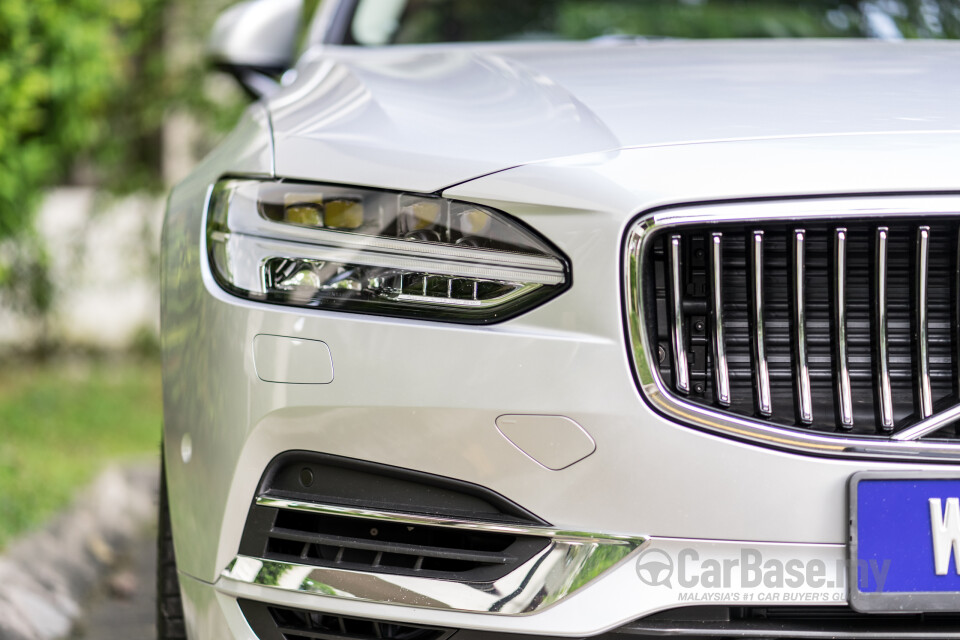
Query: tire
x,y
170,625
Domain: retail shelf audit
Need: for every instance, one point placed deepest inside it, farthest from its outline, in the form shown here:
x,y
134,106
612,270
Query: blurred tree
x,y
469,20
85,86
76,79
761,18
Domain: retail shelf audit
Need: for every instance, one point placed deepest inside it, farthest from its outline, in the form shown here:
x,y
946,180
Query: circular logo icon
x,y
655,568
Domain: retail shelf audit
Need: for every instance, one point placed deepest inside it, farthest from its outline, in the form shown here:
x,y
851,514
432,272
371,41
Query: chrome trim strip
x,y
844,395
470,302
758,350
922,344
882,357
438,521
653,389
681,369
570,561
258,250
721,374
928,426
801,367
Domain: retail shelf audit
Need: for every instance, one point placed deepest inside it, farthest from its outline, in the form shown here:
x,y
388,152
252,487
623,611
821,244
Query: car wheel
x,y
170,624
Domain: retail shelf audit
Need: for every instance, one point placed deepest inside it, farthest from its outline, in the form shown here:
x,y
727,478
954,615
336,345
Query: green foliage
x,y
188,76
76,79
85,86
61,423
469,20
26,270
696,20
754,18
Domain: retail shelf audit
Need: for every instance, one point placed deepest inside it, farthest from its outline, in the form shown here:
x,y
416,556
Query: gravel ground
x,y
124,607
90,565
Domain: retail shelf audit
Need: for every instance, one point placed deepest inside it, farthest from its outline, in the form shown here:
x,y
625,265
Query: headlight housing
x,y
379,252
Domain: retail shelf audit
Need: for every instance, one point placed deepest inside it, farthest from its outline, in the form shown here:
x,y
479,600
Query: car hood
x,y
421,118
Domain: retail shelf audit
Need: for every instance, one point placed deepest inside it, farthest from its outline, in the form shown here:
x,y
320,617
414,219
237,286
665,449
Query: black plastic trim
x,y
798,622
701,622
338,480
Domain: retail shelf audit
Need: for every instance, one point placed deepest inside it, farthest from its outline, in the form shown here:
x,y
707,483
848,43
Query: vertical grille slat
x,y
883,389
955,319
721,376
801,365
761,371
846,326
838,278
681,372
924,394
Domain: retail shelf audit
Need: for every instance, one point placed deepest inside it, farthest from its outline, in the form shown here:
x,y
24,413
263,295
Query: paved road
x,y
125,609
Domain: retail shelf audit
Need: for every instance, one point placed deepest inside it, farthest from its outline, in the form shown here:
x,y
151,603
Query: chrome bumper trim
x,y
570,560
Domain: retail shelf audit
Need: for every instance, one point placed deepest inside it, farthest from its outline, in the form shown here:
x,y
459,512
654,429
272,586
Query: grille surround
x,y
638,304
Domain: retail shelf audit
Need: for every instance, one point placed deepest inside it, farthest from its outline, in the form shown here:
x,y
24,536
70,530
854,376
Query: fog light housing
x,y
378,252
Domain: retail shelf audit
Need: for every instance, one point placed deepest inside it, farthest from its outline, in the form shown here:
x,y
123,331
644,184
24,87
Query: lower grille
x,y
794,316
791,623
270,622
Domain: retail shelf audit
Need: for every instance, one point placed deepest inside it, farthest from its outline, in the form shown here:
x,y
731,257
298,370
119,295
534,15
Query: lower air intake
x,y
270,622
326,511
361,544
789,623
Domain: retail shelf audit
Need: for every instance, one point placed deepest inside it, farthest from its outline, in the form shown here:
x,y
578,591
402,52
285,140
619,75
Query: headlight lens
x,y
379,252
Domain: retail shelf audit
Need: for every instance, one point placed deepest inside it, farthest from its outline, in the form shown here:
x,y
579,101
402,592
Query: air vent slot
x,y
844,326
377,545
271,622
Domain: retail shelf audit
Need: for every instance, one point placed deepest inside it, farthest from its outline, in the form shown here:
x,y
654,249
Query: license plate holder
x,y
892,544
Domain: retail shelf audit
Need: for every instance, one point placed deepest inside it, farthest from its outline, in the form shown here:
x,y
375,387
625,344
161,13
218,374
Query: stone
x,y
42,614
45,574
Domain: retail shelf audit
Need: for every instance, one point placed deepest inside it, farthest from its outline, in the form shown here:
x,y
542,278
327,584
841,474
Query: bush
x,y
77,79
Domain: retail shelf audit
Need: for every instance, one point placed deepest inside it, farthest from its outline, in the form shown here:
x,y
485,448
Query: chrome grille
x,y
832,321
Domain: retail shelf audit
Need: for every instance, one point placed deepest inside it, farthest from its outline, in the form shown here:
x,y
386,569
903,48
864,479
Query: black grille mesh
x,y
376,545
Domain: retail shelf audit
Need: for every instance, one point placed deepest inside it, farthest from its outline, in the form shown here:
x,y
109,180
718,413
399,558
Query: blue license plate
x,y
904,542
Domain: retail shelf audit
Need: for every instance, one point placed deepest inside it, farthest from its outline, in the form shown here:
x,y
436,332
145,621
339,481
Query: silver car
x,y
545,318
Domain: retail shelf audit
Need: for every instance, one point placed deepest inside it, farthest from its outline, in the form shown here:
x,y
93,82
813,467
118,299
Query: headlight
x,y
379,252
